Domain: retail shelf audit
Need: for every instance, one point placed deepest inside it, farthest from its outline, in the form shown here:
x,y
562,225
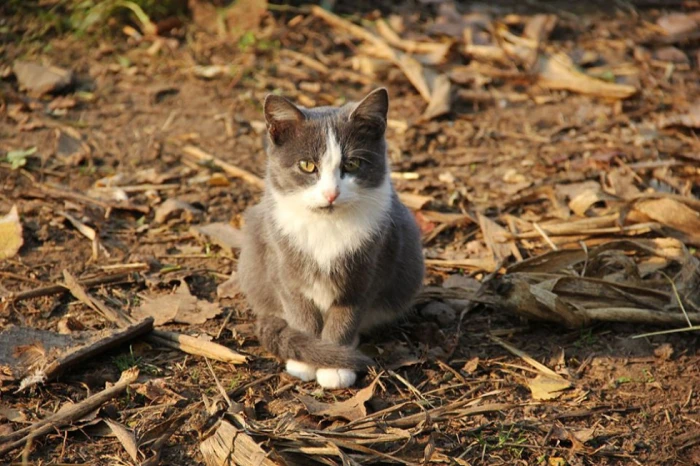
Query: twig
x,y
197,346
113,340
116,317
545,236
526,357
55,289
68,413
200,155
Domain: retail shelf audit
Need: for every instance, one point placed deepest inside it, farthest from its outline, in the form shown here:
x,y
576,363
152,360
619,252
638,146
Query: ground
x,y
506,149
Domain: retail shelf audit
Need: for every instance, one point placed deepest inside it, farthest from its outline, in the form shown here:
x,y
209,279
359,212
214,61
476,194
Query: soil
x,y
131,112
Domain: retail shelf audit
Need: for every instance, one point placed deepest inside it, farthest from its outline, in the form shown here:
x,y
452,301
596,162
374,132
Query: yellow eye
x,y
307,166
352,165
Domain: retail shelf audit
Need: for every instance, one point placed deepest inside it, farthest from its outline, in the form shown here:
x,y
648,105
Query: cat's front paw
x,y
335,378
301,370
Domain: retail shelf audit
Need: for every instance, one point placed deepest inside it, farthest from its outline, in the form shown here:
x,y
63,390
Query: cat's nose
x,y
331,195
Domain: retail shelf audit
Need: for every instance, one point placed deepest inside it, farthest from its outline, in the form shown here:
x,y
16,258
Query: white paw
x,y
301,370
335,378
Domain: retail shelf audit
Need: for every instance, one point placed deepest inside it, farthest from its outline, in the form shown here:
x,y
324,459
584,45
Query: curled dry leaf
x,y
222,234
690,119
351,409
673,214
10,234
126,437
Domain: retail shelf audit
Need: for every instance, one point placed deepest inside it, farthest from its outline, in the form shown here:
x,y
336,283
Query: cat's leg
x,y
301,314
342,328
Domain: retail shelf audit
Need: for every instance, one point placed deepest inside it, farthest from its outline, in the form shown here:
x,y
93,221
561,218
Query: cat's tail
x,y
286,343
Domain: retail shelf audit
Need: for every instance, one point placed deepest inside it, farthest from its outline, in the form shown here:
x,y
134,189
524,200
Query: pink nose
x,y
331,195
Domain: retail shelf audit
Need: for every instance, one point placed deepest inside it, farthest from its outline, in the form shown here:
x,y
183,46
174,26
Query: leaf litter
x,y
549,156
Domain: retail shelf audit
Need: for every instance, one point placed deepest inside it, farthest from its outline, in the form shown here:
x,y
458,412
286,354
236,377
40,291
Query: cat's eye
x,y
352,165
307,166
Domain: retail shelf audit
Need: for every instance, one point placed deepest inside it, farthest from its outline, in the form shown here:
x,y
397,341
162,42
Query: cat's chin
x,y
325,210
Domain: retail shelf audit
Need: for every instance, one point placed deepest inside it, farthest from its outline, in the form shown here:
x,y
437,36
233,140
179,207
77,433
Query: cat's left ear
x,y
372,110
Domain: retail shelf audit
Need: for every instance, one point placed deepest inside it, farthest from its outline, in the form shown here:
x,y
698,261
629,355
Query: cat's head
x,y
327,159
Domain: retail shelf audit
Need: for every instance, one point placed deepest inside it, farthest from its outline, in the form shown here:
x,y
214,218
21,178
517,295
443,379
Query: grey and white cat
x,y
330,252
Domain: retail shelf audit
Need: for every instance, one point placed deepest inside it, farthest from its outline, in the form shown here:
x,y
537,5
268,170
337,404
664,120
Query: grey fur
x,y
374,284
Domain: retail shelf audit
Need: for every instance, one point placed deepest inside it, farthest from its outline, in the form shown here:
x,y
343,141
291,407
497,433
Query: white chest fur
x,y
328,236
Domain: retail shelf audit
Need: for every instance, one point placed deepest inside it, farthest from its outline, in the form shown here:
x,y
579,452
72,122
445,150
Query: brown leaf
x,y
39,79
544,387
174,208
222,234
471,365
440,98
10,234
691,119
678,26
671,213
180,307
126,437
351,409
496,240
230,288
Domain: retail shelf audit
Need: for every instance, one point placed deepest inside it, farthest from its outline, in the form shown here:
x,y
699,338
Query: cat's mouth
x,y
326,209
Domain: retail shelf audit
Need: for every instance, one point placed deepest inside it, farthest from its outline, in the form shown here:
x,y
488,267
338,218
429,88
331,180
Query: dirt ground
x,y
106,154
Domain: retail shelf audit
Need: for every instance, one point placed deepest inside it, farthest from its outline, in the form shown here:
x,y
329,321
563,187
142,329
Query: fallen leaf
x,y
690,119
544,387
222,234
10,234
496,240
414,201
471,365
672,55
39,79
351,409
440,98
126,437
679,26
230,288
180,307
174,208
671,213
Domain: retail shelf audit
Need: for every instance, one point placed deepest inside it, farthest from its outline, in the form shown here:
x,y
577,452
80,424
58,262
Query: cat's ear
x,y
372,111
283,118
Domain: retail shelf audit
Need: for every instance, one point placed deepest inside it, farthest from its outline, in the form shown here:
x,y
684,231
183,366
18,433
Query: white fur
x,y
358,213
322,293
301,370
335,378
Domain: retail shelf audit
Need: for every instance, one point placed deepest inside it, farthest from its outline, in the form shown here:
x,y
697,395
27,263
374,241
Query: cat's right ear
x,y
283,118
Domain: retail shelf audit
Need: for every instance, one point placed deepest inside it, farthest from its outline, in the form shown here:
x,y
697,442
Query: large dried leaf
x,y
351,409
690,119
671,213
126,437
180,307
440,98
222,234
544,387
10,234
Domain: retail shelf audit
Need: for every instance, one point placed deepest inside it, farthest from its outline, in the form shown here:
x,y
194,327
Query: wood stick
x,y
95,304
197,346
120,278
68,413
199,155
527,358
117,338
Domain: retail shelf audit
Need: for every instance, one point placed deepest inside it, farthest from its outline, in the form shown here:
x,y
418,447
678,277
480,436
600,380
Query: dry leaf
x,y
544,387
559,72
471,365
126,437
10,234
414,201
39,79
671,213
175,208
180,307
496,238
222,234
351,409
230,288
440,98
691,119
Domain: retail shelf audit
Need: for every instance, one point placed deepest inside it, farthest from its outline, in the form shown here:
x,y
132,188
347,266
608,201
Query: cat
x,y
330,251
